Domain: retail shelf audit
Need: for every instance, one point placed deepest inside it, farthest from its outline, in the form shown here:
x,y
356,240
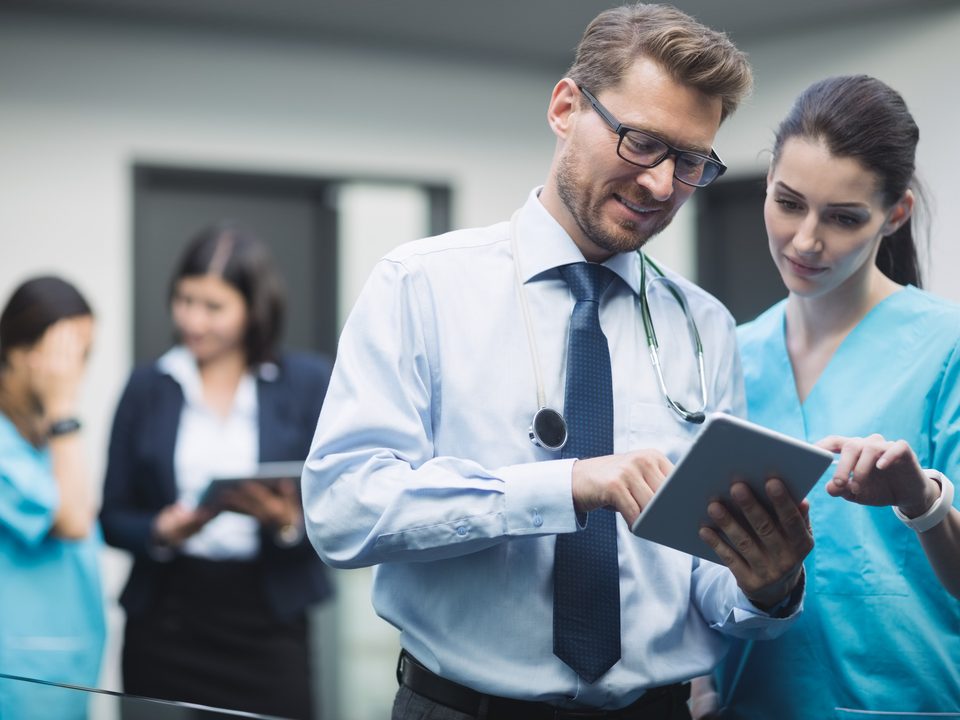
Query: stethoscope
x,y
548,428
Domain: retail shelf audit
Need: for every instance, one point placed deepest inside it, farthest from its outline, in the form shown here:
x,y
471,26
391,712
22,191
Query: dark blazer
x,y
140,477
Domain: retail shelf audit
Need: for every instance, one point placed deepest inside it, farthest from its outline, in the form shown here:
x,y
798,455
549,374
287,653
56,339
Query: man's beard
x,y
589,216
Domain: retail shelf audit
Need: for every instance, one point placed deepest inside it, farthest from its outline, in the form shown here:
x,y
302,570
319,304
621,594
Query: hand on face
x,y
876,471
623,482
764,552
57,363
272,506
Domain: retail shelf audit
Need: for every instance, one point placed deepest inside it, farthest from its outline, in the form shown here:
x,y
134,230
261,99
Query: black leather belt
x,y
664,702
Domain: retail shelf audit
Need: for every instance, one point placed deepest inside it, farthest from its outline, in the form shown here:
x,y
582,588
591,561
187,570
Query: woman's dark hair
x,y
243,261
33,307
862,118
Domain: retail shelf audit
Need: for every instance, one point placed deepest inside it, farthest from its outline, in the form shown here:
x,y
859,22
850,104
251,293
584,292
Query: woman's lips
x,y
803,269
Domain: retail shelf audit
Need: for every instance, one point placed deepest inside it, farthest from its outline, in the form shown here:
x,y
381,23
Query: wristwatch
x,y
64,426
938,511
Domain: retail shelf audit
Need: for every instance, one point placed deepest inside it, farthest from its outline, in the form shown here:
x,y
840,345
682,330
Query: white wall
x,y
79,103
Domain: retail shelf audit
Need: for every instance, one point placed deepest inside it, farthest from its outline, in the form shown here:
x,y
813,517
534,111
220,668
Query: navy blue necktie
x,y
586,576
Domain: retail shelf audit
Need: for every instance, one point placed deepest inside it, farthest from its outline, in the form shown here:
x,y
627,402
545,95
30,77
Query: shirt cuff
x,y
539,497
791,604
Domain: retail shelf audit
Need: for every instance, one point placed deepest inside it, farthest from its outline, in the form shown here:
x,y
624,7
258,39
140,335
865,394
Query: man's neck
x,y
550,199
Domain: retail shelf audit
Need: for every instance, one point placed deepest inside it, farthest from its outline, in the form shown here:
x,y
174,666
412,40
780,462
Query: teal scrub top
x,y
51,605
878,633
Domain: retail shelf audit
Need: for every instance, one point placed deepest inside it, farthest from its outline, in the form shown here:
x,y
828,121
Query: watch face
x,y
549,429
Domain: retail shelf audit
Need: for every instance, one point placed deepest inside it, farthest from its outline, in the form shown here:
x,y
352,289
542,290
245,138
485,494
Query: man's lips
x,y
640,208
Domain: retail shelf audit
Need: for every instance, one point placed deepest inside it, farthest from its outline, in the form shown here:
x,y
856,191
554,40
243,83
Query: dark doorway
x,y
733,261
292,215
296,216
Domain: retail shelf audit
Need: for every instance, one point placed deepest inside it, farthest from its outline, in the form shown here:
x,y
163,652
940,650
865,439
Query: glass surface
x,y
25,698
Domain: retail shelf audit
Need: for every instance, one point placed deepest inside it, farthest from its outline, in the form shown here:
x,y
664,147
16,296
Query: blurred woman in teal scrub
x,y
51,608
860,359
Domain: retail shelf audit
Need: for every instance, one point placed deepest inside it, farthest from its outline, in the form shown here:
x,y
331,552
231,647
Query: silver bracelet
x,y
938,511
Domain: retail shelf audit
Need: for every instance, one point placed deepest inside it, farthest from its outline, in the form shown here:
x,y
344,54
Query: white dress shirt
x,y
210,446
421,463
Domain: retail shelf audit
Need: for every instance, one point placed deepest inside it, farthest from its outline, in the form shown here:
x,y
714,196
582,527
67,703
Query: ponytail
x,y
897,257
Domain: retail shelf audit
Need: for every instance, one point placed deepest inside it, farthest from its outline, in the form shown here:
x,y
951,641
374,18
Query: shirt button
x,y
537,519
461,531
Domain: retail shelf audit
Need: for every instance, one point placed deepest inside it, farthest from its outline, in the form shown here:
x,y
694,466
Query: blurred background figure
x,y
217,599
51,607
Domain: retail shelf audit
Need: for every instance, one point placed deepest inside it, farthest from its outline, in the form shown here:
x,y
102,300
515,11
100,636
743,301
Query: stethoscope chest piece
x,y
548,429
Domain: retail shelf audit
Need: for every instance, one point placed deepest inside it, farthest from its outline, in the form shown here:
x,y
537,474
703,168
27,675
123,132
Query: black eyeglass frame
x,y
621,131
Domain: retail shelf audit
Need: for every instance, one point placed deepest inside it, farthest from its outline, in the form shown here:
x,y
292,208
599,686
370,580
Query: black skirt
x,y
212,639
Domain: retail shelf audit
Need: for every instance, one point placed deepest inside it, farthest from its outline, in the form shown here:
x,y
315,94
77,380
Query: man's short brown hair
x,y
689,51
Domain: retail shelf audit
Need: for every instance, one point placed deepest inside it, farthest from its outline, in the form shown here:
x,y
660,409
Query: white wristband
x,y
938,511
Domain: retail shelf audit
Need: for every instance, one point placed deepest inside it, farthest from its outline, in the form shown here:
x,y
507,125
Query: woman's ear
x,y
562,107
899,213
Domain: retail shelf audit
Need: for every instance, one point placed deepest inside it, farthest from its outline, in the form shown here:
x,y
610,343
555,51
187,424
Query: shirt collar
x,y
179,364
544,245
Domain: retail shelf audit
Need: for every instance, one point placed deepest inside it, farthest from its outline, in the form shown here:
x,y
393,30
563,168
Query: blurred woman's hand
x,y
176,523
276,505
57,363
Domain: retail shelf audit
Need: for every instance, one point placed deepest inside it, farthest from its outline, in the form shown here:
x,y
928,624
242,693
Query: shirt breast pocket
x,y
658,427
859,550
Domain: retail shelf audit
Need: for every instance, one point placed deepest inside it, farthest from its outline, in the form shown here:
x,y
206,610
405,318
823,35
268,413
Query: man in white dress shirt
x,y
422,463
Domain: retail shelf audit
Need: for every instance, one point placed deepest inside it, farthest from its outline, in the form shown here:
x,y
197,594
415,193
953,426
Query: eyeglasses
x,y
647,151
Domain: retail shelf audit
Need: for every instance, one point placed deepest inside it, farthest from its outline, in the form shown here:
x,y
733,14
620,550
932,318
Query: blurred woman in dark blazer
x,y
217,599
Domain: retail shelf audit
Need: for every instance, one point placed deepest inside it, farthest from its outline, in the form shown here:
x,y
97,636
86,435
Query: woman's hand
x,y
876,471
57,363
176,523
273,506
703,699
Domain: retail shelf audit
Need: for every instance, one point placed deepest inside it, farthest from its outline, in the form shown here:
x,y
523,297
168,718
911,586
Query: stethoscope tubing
x,y
546,420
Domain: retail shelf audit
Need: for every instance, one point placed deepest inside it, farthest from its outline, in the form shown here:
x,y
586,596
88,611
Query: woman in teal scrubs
x,y
51,608
860,359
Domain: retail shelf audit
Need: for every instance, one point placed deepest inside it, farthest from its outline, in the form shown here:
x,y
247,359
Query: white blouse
x,y
209,446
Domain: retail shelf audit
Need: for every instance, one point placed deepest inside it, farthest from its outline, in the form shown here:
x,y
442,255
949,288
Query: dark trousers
x,y
407,705
211,639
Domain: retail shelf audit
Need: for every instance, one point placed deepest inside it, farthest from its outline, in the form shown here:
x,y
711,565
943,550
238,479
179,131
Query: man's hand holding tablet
x,y
736,497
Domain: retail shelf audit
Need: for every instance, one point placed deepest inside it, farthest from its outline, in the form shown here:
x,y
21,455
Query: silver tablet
x,y
268,473
726,450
